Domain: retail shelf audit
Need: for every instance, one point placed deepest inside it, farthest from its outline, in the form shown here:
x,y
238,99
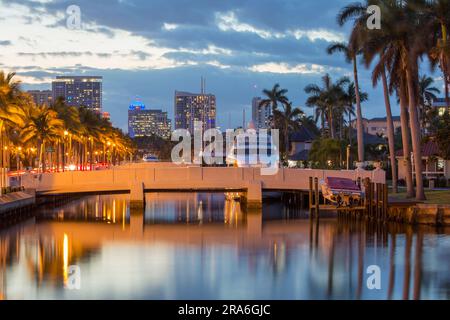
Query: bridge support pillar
x,y
137,222
137,196
254,195
254,223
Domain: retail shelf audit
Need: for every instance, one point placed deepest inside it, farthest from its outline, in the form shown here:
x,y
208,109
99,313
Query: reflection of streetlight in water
x,y
65,258
200,212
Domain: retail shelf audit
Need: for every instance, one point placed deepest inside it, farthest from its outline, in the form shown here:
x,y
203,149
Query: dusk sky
x,y
152,48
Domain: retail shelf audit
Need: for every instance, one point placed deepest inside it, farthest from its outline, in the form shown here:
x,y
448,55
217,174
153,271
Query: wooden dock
x,y
373,205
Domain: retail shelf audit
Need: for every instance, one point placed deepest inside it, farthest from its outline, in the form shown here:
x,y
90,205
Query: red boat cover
x,y
342,183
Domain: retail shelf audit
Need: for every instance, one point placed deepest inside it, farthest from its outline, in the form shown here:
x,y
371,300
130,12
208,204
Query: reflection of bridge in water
x,y
338,249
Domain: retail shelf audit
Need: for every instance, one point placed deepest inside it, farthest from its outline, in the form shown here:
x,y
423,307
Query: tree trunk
x,y
350,128
415,135
331,123
91,156
42,157
390,132
359,118
322,118
405,139
445,65
286,136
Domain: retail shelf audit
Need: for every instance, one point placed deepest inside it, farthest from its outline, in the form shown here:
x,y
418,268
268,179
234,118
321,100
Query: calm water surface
x,y
200,246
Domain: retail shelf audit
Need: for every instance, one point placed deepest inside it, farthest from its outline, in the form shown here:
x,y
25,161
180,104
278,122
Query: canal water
x,y
202,246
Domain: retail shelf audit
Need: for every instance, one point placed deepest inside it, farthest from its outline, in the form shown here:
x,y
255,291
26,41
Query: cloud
x,y
5,43
170,26
151,48
228,21
284,68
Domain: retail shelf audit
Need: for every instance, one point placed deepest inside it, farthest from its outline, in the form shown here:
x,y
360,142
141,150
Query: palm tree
x,y
288,120
439,12
9,113
326,99
43,126
427,93
90,132
274,97
23,125
400,37
349,103
351,52
72,126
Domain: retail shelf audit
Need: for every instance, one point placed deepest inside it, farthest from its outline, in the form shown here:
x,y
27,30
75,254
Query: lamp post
x,y
348,157
19,150
66,133
109,145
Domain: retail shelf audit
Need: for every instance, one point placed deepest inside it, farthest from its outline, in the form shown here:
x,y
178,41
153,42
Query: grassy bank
x,y
433,196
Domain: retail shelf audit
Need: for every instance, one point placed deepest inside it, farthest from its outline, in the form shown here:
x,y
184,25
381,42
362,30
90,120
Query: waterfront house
x,y
434,166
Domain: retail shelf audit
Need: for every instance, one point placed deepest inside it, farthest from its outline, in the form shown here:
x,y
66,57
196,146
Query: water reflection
x,y
194,246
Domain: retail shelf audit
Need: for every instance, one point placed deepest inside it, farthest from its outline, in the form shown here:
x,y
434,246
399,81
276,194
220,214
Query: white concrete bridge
x,y
138,178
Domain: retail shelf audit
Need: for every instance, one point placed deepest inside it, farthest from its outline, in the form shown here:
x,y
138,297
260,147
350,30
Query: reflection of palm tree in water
x,y
407,274
418,265
392,265
361,249
3,254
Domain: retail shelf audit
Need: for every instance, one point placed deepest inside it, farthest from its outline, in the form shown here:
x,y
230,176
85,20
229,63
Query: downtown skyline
x,y
150,50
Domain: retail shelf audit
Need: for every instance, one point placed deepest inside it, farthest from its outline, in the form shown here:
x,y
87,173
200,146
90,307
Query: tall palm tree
x,y
43,126
288,120
380,72
9,114
349,104
90,132
400,36
274,98
326,99
351,52
439,12
72,126
427,93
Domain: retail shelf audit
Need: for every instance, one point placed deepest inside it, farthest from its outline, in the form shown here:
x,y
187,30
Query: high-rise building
x,y
191,107
261,114
79,91
41,97
144,122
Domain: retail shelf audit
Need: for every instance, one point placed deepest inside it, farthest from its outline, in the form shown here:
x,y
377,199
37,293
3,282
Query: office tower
x,y
41,97
261,115
191,107
144,122
79,91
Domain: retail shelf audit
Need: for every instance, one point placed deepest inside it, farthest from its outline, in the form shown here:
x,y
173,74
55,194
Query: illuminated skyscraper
x,y
191,107
79,91
261,115
41,97
144,123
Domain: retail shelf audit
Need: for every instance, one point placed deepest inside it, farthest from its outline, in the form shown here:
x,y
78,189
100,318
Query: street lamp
x,y
19,149
66,133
